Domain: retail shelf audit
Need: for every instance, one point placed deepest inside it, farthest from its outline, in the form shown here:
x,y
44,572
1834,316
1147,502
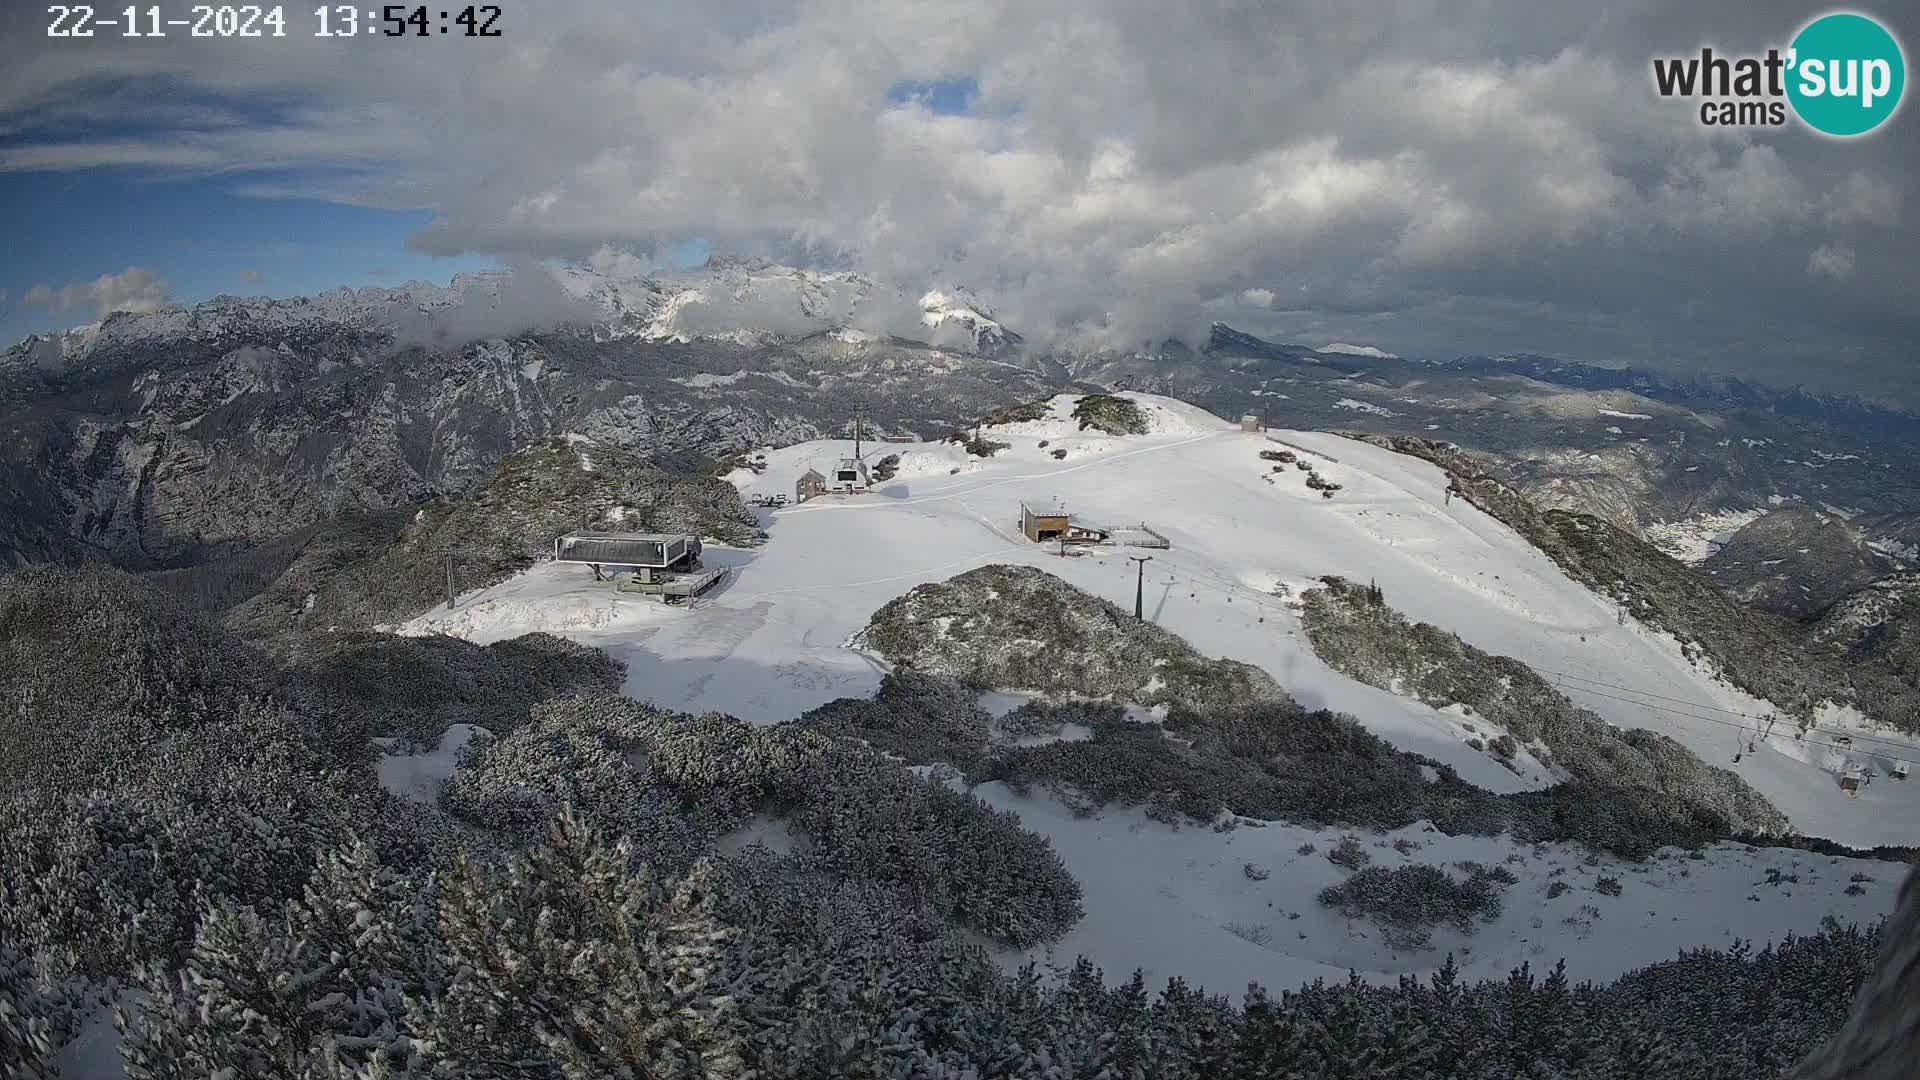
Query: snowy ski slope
x,y
774,641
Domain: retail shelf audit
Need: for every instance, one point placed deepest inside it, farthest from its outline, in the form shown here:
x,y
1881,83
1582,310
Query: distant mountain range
x,y
1630,446
150,439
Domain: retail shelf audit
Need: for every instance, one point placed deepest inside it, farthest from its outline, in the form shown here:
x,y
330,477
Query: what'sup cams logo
x,y
1842,76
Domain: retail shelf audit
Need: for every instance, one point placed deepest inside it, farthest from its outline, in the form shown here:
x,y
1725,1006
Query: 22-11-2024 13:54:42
x,y
256,21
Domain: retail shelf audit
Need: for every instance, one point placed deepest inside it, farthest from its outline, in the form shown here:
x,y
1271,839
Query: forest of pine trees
x,y
567,959
232,890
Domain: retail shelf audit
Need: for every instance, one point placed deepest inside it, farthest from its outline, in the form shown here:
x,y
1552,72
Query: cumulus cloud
x,y
525,298
1504,181
1831,261
134,289
1357,350
249,276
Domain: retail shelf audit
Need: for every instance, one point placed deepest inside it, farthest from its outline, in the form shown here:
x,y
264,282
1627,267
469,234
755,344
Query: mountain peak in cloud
x,y
135,289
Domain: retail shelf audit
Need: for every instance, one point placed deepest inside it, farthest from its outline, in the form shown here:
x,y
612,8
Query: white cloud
x,y
621,264
1506,181
247,275
134,289
1357,350
524,298
1831,261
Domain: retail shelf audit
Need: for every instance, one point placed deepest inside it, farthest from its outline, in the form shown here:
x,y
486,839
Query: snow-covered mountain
x,y
376,397
734,300
1247,536
752,301
150,437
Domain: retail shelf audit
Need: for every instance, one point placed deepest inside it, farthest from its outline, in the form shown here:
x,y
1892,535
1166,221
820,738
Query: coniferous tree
x,y
567,956
34,1020
1437,1009
236,1009
319,991
1196,1031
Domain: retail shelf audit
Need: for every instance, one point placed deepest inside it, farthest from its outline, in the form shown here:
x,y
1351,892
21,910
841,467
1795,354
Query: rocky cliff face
x,y
152,439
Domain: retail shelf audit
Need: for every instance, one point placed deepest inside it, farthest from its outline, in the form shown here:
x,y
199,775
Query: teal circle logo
x,y
1845,75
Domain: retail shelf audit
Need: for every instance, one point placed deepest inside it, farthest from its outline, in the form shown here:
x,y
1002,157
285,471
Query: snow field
x,y
1180,902
781,637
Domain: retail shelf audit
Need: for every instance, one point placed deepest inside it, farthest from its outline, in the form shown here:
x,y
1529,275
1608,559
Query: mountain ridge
x,y
151,440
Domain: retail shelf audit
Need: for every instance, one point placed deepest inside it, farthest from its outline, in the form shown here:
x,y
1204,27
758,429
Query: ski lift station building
x,y
851,477
664,563
653,551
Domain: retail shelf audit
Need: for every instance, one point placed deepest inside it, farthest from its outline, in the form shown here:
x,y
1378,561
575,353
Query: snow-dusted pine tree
x,y
315,993
572,958
32,1022
1881,1040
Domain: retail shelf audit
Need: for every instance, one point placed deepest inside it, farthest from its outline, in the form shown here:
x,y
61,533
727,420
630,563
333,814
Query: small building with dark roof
x,y
1058,525
810,484
1041,528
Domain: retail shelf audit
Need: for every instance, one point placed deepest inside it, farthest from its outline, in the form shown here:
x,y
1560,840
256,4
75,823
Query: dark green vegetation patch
x,y
1358,634
1113,415
361,571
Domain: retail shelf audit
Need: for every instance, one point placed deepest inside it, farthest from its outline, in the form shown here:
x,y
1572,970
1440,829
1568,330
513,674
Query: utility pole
x,y
451,554
1139,582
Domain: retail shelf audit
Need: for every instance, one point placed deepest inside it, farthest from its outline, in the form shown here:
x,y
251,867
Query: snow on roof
x,y
650,537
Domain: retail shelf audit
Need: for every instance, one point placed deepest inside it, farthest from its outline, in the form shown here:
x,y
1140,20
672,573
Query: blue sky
x,y
948,97
65,228
205,236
